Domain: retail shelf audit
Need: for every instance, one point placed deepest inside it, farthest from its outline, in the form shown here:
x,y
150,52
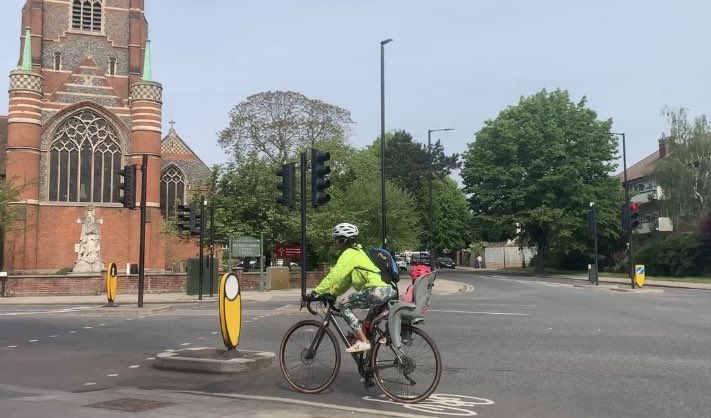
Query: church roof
x,y
87,82
176,152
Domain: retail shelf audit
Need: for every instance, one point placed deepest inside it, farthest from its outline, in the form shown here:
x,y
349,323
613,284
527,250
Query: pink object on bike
x,y
416,273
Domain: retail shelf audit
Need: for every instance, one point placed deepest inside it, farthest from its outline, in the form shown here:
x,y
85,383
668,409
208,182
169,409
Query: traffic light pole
x,y
142,248
202,236
303,224
630,266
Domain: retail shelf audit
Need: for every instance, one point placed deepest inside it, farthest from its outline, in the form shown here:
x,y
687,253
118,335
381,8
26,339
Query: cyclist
x,y
354,268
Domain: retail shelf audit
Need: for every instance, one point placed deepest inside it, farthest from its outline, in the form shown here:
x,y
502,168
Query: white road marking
x,y
215,332
482,313
150,358
185,344
88,327
53,336
102,325
441,404
246,321
112,375
200,338
367,411
134,366
89,383
45,312
32,341
72,332
11,346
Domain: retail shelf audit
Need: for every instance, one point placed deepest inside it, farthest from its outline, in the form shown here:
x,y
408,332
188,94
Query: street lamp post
x,y
382,139
430,242
628,227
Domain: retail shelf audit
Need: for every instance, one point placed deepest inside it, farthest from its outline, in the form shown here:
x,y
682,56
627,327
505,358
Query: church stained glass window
x,y
172,191
84,159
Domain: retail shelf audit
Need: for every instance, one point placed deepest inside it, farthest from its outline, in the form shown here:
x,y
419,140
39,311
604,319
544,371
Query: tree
x,y
275,125
407,161
451,214
685,174
538,165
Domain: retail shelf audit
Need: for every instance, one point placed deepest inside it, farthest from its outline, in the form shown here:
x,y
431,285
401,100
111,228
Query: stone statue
x,y
89,247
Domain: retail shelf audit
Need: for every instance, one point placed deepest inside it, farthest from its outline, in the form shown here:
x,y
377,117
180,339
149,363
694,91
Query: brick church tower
x,y
82,105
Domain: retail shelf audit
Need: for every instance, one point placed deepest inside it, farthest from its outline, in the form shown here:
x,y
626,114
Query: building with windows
x,y
644,191
82,104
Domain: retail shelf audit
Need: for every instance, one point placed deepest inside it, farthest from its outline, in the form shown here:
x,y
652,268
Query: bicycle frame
x,y
364,368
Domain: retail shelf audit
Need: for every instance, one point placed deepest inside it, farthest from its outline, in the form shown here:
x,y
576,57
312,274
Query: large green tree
x,y
685,174
270,129
451,214
538,165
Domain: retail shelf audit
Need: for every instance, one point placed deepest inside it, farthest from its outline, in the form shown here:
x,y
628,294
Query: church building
x,y
82,105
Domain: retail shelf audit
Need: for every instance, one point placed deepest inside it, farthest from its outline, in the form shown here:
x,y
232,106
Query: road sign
x,y
290,251
639,274
246,246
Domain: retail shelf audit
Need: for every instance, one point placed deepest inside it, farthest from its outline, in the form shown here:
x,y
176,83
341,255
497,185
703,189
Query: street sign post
x,y
639,274
246,246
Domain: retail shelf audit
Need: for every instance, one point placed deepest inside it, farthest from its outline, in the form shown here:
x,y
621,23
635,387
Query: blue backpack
x,y
384,261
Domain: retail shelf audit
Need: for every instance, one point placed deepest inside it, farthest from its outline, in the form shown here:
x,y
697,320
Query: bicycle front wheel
x,y
413,376
309,372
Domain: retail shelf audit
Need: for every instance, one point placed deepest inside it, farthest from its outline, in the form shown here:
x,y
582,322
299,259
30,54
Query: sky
x,y
452,64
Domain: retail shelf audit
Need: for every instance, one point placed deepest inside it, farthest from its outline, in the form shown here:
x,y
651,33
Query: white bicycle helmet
x,y
345,230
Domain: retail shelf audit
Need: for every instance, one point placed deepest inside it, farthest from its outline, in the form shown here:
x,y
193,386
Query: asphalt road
x,y
511,347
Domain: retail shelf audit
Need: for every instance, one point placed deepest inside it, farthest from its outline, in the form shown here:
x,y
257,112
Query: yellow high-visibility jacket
x,y
353,268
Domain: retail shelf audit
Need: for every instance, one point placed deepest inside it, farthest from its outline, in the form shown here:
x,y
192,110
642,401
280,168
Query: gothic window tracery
x,y
84,158
172,191
86,15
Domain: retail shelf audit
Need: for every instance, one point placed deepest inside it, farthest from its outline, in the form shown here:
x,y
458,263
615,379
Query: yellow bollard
x,y
230,303
639,274
111,281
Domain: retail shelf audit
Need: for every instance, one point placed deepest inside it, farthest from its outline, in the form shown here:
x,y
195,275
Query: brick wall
x,y
53,285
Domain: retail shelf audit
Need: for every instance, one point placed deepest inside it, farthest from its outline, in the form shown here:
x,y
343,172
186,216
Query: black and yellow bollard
x,y
111,281
230,301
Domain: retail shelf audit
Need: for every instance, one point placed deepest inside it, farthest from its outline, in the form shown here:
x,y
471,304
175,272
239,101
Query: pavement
x,y
155,302
650,281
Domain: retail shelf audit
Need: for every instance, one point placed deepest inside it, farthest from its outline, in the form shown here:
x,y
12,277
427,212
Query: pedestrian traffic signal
x,y
634,215
287,172
183,213
127,183
319,179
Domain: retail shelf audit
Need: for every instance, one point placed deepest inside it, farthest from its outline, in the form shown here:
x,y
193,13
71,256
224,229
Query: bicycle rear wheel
x,y
305,373
415,377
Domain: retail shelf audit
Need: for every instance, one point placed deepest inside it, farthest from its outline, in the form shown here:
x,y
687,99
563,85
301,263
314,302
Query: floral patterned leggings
x,y
370,298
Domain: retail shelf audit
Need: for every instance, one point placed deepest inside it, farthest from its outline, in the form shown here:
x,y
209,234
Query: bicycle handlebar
x,y
306,300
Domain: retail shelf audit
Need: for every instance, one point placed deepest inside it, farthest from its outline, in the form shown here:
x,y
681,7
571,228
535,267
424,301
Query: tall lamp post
x,y
382,139
627,225
430,243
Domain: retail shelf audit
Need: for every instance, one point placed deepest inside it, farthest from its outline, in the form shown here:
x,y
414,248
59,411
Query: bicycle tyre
x,y
297,335
383,375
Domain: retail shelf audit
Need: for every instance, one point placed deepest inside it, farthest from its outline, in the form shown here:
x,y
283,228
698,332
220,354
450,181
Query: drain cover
x,y
130,405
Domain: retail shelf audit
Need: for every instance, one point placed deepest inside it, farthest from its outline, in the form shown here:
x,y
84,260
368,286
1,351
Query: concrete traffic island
x,y
213,360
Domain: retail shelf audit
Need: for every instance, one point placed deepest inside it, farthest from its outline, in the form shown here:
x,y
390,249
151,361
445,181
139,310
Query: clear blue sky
x,y
454,63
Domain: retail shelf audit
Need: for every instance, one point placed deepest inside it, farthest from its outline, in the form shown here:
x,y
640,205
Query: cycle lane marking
x,y
441,404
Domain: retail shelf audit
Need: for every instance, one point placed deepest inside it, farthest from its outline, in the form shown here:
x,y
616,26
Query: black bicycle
x,y
406,368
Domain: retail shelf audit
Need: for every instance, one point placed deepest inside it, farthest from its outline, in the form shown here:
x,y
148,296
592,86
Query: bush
x,y
677,255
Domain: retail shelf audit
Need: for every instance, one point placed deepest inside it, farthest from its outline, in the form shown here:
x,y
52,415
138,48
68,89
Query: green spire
x,y
147,62
27,51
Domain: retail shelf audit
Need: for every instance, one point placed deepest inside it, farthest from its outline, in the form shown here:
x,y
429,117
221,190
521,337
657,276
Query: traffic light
x,y
287,172
319,180
183,213
634,215
127,183
195,222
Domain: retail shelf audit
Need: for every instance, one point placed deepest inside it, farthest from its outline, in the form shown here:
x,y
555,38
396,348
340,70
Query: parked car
x,y
401,264
445,263
423,259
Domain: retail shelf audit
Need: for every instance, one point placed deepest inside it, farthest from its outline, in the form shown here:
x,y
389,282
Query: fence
x,y
503,257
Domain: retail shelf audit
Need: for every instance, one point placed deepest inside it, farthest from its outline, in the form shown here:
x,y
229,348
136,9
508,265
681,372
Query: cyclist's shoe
x,y
358,347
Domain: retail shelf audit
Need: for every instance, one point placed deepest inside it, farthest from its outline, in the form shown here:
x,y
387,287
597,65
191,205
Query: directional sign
x,y
639,274
290,251
246,246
